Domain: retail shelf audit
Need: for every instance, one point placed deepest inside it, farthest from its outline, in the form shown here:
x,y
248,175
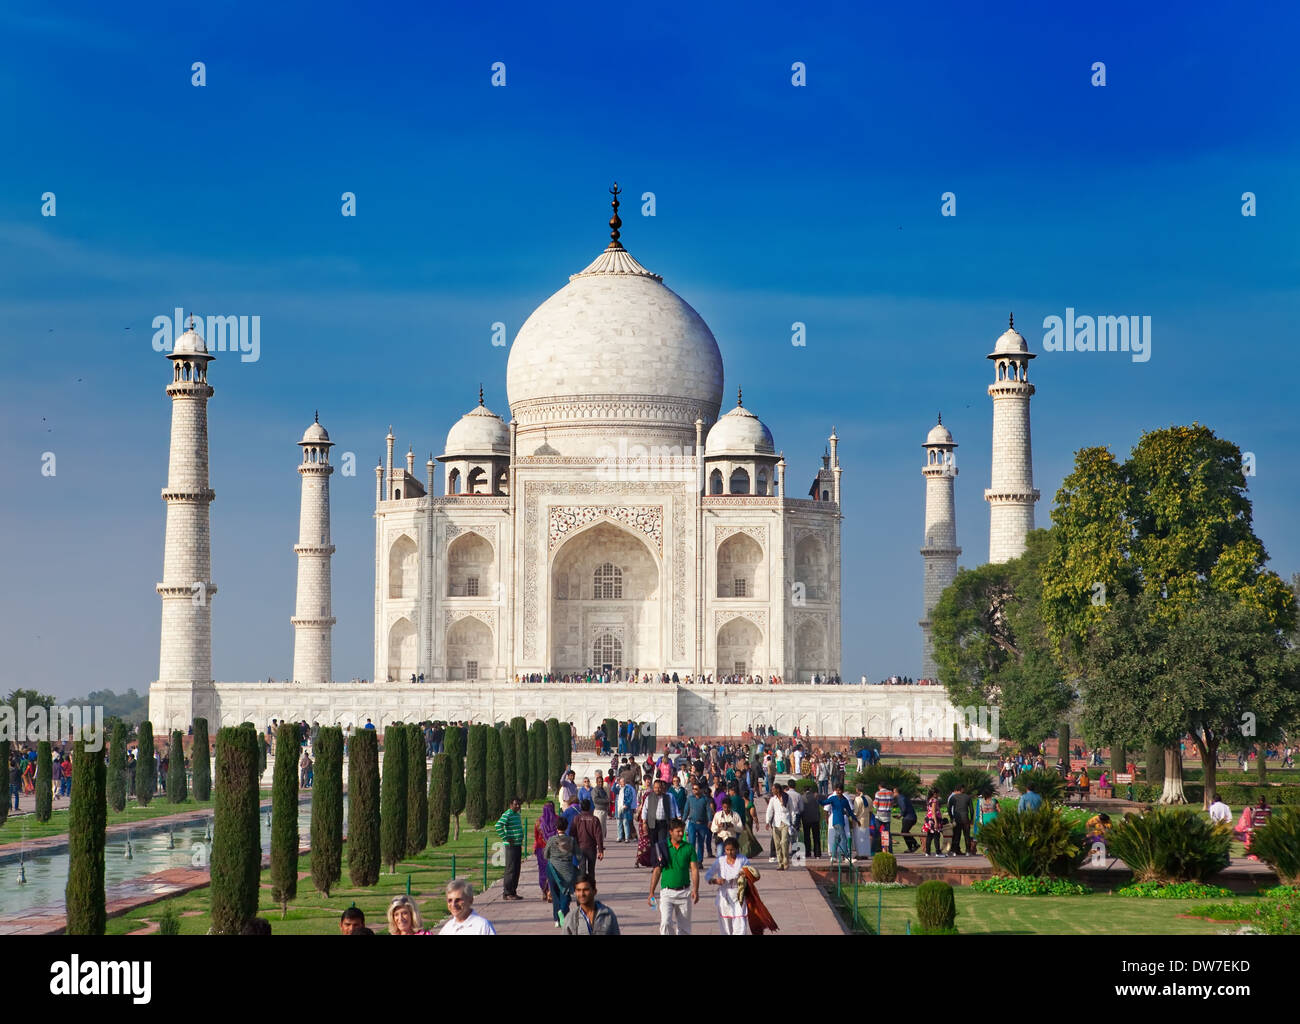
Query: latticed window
x,y
738,589
471,670
471,586
608,582
607,650
741,669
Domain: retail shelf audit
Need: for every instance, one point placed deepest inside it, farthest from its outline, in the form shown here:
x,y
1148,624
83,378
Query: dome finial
x,y
480,393
740,404
317,415
615,222
1011,321
941,419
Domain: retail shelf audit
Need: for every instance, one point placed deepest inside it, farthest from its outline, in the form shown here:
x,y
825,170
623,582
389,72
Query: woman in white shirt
x,y
733,915
778,819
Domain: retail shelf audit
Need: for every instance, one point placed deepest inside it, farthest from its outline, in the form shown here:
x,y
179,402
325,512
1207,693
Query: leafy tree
x,y
176,768
417,792
537,752
131,707
454,746
236,832
392,815
363,808
146,769
284,819
201,761
31,699
440,799
116,767
523,762
44,782
992,648
83,896
476,777
327,809
557,755
495,802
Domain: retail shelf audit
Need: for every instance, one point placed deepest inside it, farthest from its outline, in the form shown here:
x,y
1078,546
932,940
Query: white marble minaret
x,y
1011,495
185,651
940,550
312,619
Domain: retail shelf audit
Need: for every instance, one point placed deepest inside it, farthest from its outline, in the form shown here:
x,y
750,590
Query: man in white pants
x,y
680,871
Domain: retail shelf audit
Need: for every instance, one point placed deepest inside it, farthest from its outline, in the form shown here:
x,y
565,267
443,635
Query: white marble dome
x,y
1010,342
315,434
614,353
739,432
939,434
479,432
190,344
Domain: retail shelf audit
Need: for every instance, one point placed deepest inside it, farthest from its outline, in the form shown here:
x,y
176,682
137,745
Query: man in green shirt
x,y
510,827
680,871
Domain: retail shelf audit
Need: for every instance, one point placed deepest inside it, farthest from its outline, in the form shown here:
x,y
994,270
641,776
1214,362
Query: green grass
x,y
313,914
27,827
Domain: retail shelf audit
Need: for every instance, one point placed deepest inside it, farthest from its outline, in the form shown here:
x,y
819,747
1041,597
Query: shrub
x,y
865,743
44,781
116,768
1173,891
1277,844
327,810
201,761
146,769
236,832
363,808
884,867
805,785
1047,783
1029,885
892,775
1034,843
284,819
176,768
169,921
476,777
417,792
83,896
935,906
523,762
392,805
1170,844
440,800
977,782
454,747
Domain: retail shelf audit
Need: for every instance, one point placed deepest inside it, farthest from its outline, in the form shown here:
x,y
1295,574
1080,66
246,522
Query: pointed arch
x,y
403,567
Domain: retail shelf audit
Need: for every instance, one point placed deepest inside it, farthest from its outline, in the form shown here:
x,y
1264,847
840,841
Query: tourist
x,y
590,840
811,820
699,817
680,872
933,825
657,810
883,808
591,917
353,922
959,809
600,801
1220,813
404,917
725,873
510,828
1029,800
626,810
907,812
823,776
568,789
778,819
1083,785
546,825
841,812
986,809
726,824
561,856
464,919
16,781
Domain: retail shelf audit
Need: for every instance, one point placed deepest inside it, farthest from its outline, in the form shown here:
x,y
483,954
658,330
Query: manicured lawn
x,y
314,914
27,827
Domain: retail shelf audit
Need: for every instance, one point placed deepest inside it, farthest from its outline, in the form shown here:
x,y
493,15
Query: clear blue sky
x,y
775,204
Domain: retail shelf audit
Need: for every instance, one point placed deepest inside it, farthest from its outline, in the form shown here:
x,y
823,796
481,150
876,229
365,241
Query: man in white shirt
x,y
778,819
460,902
1219,811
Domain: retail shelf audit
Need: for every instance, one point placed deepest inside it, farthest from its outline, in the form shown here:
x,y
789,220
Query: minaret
x,y
185,651
1011,495
940,550
312,619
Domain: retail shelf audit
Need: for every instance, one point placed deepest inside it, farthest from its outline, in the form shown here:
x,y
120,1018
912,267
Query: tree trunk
x,y
458,826
1117,765
1262,767
1155,764
1209,770
1173,790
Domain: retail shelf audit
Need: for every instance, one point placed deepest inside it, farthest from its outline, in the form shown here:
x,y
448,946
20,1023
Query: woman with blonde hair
x,y
404,917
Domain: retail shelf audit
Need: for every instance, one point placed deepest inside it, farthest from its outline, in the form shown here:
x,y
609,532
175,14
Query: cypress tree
x,y
363,808
523,766
261,749
176,769
495,802
454,747
44,780
476,777
4,766
201,761
508,769
611,733
116,767
440,799
392,814
146,771
284,821
566,741
1063,743
236,835
537,751
555,755
83,896
327,810
417,792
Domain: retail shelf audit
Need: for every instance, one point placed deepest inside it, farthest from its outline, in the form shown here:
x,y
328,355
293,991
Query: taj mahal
x,y
618,527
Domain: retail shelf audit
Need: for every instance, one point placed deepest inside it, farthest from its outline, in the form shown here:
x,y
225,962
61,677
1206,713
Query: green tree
x,y
440,799
523,760
201,761
417,792
956,745
44,781
83,896
392,815
507,732
1063,742
495,783
566,743
476,777
327,809
116,767
146,768
611,732
454,746
284,819
261,749
992,649
557,756
236,832
537,746
176,768
363,808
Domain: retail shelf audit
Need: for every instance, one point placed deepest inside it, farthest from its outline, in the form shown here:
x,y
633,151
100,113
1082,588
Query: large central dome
x,y
613,354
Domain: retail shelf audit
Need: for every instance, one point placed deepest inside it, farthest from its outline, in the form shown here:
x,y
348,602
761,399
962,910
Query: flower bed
x,y
1030,885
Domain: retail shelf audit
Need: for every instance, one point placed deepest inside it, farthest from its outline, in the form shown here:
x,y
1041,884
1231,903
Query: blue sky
x,y
775,204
